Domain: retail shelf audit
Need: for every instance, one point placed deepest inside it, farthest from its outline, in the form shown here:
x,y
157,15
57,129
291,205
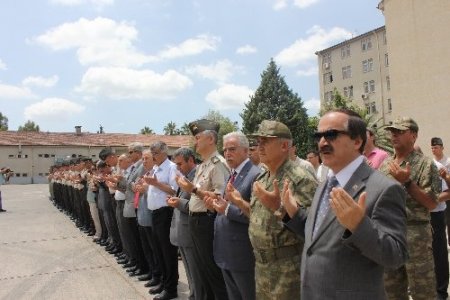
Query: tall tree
x,y
226,125
185,129
274,100
29,126
3,122
146,130
170,129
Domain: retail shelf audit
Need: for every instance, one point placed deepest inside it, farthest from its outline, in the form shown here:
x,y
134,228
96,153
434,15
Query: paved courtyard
x,y
44,256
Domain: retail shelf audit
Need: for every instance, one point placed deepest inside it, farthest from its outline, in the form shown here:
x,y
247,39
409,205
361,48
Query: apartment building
x,y
359,69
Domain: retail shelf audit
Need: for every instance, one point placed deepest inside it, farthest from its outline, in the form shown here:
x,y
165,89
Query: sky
x,y
126,64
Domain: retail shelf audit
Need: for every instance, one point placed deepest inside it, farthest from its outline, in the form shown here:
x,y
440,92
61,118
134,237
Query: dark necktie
x,y
324,204
233,177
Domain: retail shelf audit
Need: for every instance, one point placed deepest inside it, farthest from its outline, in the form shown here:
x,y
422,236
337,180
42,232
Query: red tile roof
x,y
14,138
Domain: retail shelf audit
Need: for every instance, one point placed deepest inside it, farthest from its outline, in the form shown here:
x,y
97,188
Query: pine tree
x,y
274,100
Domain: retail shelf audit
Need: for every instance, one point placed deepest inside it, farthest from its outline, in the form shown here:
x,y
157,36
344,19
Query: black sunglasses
x,y
329,135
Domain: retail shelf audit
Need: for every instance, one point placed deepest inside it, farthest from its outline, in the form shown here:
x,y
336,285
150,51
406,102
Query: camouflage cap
x,y
436,141
201,125
270,128
403,123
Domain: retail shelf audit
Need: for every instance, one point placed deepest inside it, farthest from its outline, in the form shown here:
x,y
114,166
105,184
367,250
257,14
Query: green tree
x,y
3,122
274,100
185,129
29,126
226,126
146,130
171,129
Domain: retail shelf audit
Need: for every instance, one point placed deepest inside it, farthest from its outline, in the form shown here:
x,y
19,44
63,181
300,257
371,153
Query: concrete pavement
x,y
44,256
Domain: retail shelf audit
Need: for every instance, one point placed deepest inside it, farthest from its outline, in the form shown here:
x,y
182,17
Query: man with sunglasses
x,y
355,231
419,177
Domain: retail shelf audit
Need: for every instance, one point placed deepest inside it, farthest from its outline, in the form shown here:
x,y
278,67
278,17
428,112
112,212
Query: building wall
x,y
419,47
31,164
376,100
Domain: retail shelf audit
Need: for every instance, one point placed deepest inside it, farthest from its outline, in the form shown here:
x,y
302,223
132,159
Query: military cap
x,y
253,142
403,123
270,128
105,153
201,125
436,141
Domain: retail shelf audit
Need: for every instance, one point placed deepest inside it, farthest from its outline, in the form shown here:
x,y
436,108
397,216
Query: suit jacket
x,y
338,264
126,184
179,228
232,248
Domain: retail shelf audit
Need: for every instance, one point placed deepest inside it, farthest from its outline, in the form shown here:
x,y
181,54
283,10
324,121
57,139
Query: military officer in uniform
x,y
209,179
277,250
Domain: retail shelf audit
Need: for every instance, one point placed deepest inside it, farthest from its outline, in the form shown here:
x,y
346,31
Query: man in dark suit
x,y
179,230
233,252
353,233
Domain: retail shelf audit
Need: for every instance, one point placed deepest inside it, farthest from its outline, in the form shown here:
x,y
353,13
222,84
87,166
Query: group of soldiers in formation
x,y
261,223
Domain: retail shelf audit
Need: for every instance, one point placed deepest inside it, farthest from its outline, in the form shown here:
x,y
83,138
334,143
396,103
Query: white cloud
x,y
52,109
279,4
304,3
313,106
96,3
190,47
11,92
124,83
220,72
308,72
247,49
229,96
100,41
40,81
2,65
303,50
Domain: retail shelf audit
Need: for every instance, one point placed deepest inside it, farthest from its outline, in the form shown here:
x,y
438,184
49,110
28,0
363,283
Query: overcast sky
x,y
126,64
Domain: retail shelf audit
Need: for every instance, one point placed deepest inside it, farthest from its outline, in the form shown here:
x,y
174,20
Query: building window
x,y
17,174
389,104
327,78
326,58
46,174
11,156
348,91
93,155
372,86
366,87
386,60
367,65
24,174
345,51
388,83
39,155
328,96
347,72
373,107
52,155
41,174
366,44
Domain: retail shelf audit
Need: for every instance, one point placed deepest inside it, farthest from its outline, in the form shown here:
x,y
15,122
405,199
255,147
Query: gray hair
x,y
185,153
239,136
136,146
211,133
159,145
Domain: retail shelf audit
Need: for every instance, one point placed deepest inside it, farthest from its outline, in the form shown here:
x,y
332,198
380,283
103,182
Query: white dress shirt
x,y
165,173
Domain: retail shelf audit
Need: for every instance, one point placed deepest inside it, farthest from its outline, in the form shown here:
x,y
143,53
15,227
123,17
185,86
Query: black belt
x,y
198,214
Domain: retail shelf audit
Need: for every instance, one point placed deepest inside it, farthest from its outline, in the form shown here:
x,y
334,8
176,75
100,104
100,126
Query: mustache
x,y
326,148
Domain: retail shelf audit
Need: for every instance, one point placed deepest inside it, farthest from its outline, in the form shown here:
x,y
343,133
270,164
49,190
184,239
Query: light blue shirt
x,y
165,173
344,175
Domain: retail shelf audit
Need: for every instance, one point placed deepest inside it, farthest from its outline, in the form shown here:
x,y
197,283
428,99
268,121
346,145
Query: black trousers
x,y
440,252
201,228
135,247
166,253
146,235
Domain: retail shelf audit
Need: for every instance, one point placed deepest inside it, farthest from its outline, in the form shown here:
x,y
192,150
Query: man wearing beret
x,y
209,179
277,250
438,223
419,177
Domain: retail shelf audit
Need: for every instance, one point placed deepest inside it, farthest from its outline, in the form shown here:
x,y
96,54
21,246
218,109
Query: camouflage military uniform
x,y
418,272
277,250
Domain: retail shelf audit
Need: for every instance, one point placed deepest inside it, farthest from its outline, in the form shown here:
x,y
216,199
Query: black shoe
x,y
156,290
115,250
145,277
129,264
91,233
2,210
138,272
165,295
103,243
110,247
118,255
96,240
132,269
154,282
122,261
